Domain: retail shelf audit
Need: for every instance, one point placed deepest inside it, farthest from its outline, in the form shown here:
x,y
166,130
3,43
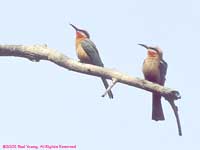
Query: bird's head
x,y
152,51
80,33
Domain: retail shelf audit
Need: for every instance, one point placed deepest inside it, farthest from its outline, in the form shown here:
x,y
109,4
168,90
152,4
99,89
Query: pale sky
x,y
42,103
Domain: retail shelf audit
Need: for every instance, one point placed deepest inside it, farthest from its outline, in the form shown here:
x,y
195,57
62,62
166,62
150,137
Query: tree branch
x,y
42,52
175,109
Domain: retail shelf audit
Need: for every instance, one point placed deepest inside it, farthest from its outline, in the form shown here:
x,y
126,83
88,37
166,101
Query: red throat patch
x,y
152,53
79,35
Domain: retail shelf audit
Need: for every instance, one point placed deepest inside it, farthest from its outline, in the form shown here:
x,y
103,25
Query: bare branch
x,y
42,52
175,109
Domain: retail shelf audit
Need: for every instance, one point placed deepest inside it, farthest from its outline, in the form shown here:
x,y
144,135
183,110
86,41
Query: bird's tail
x,y
110,94
157,111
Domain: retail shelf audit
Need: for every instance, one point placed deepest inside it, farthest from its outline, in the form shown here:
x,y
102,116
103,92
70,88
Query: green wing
x,y
163,71
92,52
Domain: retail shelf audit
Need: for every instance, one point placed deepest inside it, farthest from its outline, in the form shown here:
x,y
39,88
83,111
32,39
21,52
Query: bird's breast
x,y
82,55
151,70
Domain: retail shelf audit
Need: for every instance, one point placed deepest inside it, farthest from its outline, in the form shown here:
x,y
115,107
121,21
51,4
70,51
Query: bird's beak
x,y
74,27
144,46
149,48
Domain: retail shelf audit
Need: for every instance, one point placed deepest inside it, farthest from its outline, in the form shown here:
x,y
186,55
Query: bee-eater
x,y
154,70
87,52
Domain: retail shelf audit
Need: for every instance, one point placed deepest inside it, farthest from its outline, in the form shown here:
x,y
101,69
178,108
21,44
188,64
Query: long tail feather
x,y
110,94
157,111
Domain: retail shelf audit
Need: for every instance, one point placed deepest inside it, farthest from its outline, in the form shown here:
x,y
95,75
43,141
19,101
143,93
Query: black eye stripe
x,y
153,48
85,32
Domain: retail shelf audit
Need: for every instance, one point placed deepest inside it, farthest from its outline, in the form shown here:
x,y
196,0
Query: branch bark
x,y
42,52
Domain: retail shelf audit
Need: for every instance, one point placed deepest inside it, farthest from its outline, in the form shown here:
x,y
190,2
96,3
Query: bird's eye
x,y
154,49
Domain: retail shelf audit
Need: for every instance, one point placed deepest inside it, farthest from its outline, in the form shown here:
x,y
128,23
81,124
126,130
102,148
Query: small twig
x,y
175,109
114,81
